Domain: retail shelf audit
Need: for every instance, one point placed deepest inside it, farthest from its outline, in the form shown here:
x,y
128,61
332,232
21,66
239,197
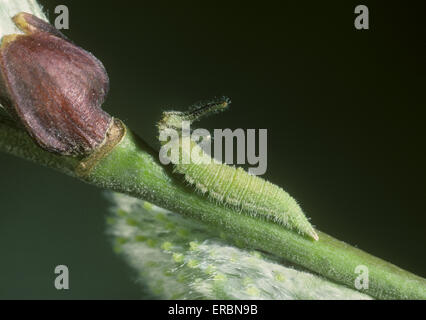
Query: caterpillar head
x,y
175,119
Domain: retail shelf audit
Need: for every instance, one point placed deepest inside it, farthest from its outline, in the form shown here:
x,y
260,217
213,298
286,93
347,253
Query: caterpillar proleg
x,y
226,184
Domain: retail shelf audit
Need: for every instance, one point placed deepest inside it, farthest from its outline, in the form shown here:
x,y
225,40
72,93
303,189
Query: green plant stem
x,y
132,167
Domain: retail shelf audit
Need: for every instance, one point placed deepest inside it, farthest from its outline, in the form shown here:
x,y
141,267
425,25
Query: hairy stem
x,y
132,167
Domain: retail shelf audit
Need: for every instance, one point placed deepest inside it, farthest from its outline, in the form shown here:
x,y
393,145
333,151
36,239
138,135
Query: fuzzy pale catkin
x,y
177,258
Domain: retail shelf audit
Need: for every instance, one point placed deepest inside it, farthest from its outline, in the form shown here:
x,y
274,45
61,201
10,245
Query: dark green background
x,y
344,111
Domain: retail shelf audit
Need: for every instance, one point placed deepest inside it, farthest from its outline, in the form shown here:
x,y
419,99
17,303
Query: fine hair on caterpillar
x,y
228,185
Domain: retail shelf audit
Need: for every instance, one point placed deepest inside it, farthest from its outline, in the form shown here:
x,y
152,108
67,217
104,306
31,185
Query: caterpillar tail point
x,y
308,231
314,235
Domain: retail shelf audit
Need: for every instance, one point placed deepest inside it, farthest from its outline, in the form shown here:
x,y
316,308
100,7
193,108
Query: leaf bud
x,y
53,88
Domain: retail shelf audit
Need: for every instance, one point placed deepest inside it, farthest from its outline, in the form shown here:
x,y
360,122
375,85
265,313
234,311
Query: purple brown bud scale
x,y
53,88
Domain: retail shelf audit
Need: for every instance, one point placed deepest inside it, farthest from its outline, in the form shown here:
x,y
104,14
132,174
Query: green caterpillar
x,y
226,184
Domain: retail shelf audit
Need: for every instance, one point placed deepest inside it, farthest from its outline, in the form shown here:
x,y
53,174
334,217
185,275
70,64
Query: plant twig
x,y
132,167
